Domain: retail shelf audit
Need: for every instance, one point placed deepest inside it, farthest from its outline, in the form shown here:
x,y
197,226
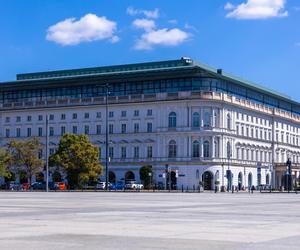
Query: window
x,y
18,119
196,120
228,121
110,128
28,132
123,128
74,116
63,117
123,113
136,127
206,149
98,115
149,151
149,127
86,129
86,115
29,118
7,132
229,152
237,129
172,149
136,152
62,130
111,152
51,131
216,149
7,119
51,151
149,112
123,152
136,113
40,131
172,120
51,117
74,130
196,149
98,129
206,119
111,114
40,118
18,132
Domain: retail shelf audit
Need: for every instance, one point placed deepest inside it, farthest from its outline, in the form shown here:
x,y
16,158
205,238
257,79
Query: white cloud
x,y
229,6
164,37
148,13
145,24
87,29
259,9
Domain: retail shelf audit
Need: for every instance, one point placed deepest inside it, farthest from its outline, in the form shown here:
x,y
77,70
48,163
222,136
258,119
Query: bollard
x,y
194,187
187,188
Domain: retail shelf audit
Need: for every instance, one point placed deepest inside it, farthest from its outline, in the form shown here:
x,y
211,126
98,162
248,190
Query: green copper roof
x,y
182,63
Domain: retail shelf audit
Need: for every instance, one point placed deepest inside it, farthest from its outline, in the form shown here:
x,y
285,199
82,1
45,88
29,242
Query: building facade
x,y
205,126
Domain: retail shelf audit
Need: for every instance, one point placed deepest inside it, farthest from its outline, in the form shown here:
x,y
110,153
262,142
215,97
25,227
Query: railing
x,y
206,95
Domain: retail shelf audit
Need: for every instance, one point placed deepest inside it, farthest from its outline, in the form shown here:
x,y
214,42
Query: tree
x,y
79,158
146,176
23,156
4,162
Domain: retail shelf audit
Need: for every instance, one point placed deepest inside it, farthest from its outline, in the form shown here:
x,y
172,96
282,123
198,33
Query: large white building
x,y
201,123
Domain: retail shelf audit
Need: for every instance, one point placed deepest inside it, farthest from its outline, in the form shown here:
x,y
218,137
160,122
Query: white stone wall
x,y
240,136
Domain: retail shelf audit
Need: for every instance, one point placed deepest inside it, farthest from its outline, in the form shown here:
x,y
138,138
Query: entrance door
x,y
207,179
249,180
240,181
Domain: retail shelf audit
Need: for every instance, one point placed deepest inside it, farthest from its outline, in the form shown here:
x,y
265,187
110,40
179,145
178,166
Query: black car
x,y
38,186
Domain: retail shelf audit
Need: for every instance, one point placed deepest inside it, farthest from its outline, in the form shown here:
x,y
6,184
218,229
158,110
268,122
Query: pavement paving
x,y
135,221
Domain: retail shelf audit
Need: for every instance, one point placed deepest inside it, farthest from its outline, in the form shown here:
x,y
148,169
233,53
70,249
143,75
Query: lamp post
x,y
106,135
288,174
47,156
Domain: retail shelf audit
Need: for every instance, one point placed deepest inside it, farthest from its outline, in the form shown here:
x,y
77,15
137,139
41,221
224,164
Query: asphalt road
x,y
138,221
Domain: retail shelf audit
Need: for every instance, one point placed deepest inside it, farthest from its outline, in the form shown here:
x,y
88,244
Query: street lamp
x,y
106,135
47,154
288,174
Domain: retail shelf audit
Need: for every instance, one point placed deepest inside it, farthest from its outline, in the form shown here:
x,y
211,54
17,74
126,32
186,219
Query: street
x,y
149,221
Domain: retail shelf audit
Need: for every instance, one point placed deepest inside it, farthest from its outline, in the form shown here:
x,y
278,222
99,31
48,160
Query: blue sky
x,y
258,40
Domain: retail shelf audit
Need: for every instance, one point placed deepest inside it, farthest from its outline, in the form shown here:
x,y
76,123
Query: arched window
x,y
172,149
196,149
172,120
206,119
228,121
206,149
229,153
196,120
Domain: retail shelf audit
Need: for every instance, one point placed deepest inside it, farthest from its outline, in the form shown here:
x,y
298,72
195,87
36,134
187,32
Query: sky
x,y
257,40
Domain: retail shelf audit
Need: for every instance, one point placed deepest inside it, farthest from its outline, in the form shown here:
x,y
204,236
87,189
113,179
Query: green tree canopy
x,y
4,163
23,156
79,158
146,176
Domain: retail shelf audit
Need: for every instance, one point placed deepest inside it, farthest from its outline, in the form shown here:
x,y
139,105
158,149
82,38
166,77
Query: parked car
x,y
118,185
38,186
25,186
59,186
131,184
15,186
102,185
